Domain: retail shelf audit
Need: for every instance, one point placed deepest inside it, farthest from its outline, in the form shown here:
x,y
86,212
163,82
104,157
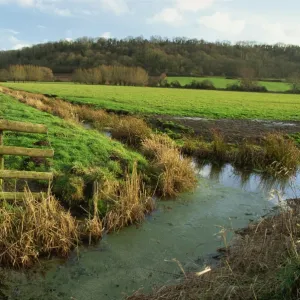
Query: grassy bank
x,y
262,262
104,182
221,83
142,100
74,146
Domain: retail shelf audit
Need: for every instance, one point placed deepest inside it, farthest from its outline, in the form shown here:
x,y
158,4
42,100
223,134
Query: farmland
x,y
176,102
221,83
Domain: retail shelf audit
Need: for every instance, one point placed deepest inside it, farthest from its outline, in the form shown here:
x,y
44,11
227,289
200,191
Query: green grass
x,y
177,102
72,143
221,83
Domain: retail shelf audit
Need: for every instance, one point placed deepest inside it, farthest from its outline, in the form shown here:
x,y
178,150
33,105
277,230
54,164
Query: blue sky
x,y
27,22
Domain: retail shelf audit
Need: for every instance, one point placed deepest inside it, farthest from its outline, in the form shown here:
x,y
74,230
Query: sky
x,y
27,22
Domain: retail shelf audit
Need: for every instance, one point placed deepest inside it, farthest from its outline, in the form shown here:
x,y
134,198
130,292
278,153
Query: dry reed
x,y
131,130
130,204
175,172
31,228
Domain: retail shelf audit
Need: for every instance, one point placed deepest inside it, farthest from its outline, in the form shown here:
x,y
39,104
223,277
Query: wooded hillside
x,y
179,56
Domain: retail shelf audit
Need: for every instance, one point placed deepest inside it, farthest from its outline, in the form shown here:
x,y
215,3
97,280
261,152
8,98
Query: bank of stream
x,y
187,230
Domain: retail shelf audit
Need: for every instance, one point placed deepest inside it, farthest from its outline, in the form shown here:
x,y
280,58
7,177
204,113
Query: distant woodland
x,y
175,57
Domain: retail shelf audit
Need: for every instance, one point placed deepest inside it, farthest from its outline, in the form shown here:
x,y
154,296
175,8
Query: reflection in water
x,y
186,229
227,175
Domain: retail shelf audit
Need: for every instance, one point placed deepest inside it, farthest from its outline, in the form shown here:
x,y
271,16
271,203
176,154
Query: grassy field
x,y
221,82
73,144
177,102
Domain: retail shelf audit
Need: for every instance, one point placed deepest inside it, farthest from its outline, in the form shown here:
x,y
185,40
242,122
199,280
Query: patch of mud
x,y
236,130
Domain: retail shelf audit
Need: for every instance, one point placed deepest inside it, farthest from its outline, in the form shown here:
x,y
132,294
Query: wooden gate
x,y
19,151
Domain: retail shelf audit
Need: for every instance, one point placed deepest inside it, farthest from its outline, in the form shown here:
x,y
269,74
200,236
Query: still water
x,y
187,230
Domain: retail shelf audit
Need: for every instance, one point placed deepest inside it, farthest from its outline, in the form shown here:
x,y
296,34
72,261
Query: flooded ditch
x,y
187,230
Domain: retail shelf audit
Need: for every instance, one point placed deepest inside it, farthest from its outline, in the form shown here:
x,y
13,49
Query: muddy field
x,y
236,130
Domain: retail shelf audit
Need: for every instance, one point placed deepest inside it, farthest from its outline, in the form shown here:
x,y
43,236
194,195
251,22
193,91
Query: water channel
x,y
187,230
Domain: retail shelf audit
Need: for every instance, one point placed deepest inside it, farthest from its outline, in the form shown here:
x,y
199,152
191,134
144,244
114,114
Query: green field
x,y
221,83
72,143
177,102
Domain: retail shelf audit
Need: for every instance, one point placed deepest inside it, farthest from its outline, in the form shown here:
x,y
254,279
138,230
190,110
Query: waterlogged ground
x,y
187,230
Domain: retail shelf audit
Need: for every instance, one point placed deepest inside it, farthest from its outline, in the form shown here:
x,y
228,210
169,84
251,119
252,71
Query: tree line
x,y
114,75
176,57
26,73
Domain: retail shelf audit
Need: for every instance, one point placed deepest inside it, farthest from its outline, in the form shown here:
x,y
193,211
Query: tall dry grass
x,y
91,228
175,173
282,156
131,130
31,228
130,204
262,263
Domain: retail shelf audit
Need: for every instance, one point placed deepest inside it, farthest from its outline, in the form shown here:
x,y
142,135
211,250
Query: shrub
x,y
246,88
175,84
202,85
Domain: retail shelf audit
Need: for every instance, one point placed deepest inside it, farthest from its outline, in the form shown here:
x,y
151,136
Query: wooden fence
x,y
19,151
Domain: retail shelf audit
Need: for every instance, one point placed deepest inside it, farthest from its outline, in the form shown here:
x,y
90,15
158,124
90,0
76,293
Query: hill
x,y
176,57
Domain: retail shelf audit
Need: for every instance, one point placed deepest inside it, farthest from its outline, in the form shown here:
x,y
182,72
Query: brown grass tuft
x,y
92,228
131,130
131,204
281,154
176,173
33,228
248,156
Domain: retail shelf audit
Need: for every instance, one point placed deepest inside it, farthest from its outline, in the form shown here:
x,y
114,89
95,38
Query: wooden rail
x,y
22,127
21,151
32,152
5,174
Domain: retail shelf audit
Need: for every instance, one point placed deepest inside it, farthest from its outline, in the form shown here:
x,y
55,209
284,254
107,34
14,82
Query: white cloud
x,y
106,35
62,12
174,15
68,39
283,33
67,8
118,7
20,46
11,31
170,16
222,22
193,5
41,27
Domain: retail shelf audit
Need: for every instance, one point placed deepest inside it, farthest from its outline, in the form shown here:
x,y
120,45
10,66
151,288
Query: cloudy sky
x,y
27,22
